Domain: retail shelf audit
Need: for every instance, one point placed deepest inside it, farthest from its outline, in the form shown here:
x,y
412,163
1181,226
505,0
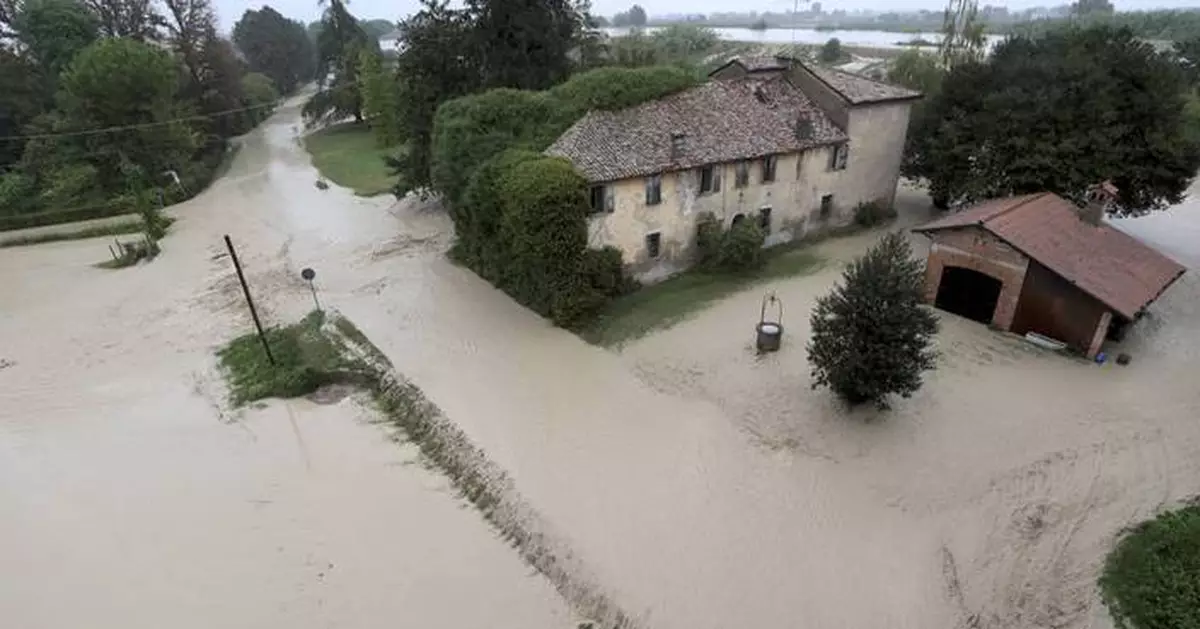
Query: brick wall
x,y
1054,307
975,249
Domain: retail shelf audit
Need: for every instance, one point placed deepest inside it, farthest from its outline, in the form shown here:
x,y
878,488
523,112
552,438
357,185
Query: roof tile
x,y
720,121
1104,262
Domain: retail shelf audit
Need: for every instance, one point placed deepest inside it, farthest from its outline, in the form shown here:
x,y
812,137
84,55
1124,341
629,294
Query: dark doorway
x,y
968,293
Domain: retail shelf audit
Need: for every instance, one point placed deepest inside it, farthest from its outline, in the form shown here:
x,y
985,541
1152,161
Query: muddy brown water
x,y
701,486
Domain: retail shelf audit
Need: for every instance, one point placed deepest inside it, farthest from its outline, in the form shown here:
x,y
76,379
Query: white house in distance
x,y
769,139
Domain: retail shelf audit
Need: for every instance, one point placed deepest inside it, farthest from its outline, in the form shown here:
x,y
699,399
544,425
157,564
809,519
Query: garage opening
x,y
968,293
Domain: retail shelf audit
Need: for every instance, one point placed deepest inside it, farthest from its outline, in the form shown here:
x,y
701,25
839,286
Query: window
x,y
653,190
826,205
741,175
768,168
839,156
600,199
764,220
737,219
653,244
710,179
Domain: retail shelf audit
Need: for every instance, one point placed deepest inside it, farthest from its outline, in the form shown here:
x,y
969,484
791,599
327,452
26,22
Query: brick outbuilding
x,y
1038,263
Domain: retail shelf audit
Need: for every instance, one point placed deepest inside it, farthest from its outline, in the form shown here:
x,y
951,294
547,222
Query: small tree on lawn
x,y
870,336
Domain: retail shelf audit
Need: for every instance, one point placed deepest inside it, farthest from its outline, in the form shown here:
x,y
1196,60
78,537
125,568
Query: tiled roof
x,y
761,62
1102,261
720,121
860,90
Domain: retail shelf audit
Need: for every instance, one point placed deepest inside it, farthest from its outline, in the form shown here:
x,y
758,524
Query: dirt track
x,y
702,487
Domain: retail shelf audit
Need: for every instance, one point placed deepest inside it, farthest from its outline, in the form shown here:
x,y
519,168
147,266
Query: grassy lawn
x,y
347,155
1151,579
306,358
664,304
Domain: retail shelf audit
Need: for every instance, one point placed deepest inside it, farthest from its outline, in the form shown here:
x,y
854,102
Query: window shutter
x,y
716,178
609,200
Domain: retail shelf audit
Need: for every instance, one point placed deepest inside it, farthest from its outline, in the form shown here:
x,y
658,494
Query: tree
x,y
962,34
524,43
637,15
871,338
1060,113
680,43
1092,7
22,98
54,31
123,83
213,71
259,92
135,19
436,64
381,98
339,43
831,52
377,28
277,47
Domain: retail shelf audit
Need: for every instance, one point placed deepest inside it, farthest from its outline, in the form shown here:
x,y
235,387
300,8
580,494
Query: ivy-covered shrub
x,y
543,233
708,242
742,248
521,217
734,250
872,213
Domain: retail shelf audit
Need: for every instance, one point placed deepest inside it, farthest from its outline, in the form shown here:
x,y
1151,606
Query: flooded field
x,y
699,486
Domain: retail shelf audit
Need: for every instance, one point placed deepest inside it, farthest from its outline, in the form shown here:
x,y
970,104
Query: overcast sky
x,y
307,10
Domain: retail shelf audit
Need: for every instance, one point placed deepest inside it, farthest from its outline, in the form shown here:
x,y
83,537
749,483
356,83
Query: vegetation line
x,y
318,351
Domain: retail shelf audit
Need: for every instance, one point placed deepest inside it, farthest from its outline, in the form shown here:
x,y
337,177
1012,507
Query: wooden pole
x,y
250,302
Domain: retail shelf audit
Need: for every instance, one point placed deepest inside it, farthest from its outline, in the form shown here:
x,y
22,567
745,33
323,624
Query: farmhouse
x,y
768,139
1038,263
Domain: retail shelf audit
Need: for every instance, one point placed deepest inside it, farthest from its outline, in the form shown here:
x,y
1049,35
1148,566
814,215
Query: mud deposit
x,y
696,486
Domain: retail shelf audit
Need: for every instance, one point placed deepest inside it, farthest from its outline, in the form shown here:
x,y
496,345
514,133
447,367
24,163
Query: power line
x,y
160,123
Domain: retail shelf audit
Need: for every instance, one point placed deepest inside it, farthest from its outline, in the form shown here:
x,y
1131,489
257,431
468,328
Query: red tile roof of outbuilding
x,y
1104,262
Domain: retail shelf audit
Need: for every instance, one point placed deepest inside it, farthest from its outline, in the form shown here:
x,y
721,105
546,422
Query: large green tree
x,y
135,19
340,42
436,64
128,84
213,70
1059,113
277,47
525,43
871,337
54,31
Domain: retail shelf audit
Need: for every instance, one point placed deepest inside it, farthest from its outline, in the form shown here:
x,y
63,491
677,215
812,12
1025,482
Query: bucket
x,y
769,334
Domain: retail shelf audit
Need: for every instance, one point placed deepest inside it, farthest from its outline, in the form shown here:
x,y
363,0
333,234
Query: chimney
x,y
1100,198
677,146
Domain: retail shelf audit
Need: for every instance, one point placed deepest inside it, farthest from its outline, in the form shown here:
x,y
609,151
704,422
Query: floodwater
x,y
853,37
130,496
700,486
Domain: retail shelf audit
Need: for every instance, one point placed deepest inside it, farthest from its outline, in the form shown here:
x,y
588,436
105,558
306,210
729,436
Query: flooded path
x,y
702,487
129,497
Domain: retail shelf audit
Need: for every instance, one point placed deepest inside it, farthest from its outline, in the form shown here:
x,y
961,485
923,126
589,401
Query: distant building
x,y
769,139
1037,263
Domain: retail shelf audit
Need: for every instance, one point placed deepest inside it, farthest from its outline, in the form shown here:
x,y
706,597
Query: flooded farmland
x,y
699,486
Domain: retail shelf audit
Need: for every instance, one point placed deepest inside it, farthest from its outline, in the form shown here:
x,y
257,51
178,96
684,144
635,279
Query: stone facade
x,y
802,180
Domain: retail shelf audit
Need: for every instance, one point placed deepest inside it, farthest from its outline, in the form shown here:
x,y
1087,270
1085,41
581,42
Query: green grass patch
x,y
662,305
1151,579
348,155
306,358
